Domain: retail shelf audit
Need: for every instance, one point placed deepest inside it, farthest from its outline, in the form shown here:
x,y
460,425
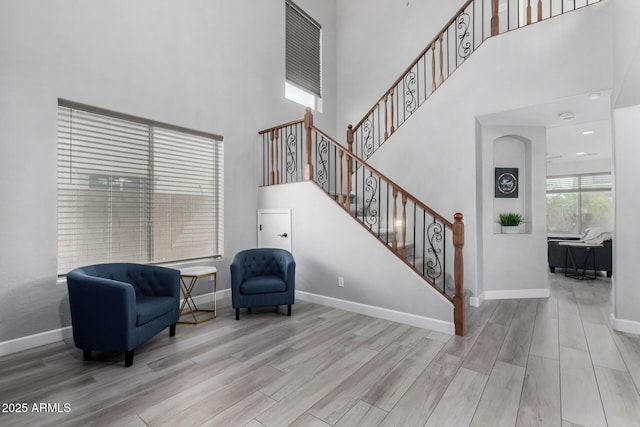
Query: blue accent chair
x,y
262,277
116,307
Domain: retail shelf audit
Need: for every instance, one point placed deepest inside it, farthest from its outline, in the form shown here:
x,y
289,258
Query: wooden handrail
x,y
284,125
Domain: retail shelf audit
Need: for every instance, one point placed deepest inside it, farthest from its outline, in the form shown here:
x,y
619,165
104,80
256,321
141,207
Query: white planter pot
x,y
510,229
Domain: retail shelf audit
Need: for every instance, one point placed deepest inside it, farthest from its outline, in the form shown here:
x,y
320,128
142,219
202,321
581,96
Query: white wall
x,y
208,65
326,244
626,151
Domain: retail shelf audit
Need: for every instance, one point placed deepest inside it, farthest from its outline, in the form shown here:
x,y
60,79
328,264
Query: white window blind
x,y
303,53
135,190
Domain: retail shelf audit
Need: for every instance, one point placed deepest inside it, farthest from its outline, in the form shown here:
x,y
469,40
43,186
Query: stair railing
x,y
423,239
470,26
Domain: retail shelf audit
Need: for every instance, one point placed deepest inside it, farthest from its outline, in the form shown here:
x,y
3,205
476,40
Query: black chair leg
x,y
249,310
128,359
289,310
277,307
237,314
86,355
172,330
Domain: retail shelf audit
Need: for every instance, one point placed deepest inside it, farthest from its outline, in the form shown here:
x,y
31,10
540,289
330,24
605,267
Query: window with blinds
x,y
135,190
303,50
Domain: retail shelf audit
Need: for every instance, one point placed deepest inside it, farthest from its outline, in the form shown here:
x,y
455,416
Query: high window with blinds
x,y
135,190
303,56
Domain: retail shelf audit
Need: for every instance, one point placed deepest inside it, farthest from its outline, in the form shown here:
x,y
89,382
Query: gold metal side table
x,y
192,274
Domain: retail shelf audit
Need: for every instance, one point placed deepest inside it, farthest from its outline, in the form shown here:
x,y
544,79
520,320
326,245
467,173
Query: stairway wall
x,y
434,155
326,244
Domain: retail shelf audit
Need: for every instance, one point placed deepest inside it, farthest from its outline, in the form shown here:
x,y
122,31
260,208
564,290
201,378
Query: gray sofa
x,y
557,254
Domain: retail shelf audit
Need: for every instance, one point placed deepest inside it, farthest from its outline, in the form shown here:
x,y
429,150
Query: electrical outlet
x,y
341,282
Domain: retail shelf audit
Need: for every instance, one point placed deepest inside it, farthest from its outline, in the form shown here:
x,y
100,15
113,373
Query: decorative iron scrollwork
x,y
367,138
410,83
322,148
371,202
464,47
435,237
292,145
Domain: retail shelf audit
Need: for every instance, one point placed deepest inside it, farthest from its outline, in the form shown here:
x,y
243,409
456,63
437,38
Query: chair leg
x,y
289,310
128,359
86,355
249,310
237,314
172,330
277,307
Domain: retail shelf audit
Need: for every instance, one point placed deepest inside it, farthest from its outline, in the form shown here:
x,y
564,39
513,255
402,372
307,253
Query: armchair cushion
x,y
149,308
263,285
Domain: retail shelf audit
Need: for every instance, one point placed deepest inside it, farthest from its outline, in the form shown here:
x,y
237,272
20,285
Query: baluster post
x,y
272,174
440,38
458,274
394,241
308,123
404,226
528,12
393,129
340,197
539,10
495,20
386,121
277,159
349,166
433,66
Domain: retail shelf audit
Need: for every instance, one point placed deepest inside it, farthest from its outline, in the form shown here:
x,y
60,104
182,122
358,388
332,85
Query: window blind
x,y
587,182
135,191
303,54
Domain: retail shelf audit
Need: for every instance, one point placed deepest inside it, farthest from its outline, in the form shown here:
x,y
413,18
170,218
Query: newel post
x,y
308,123
458,274
495,21
349,165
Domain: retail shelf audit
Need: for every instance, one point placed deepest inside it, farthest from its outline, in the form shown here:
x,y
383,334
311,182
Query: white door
x,y
274,228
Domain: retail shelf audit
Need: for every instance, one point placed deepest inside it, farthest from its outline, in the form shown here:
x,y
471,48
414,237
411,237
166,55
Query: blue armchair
x,y
116,307
262,277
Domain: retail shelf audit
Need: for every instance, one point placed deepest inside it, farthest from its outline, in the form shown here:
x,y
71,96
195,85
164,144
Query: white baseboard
x,y
49,337
379,312
628,326
36,340
517,294
476,301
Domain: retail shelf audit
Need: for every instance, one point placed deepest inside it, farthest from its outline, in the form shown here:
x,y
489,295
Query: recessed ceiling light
x,y
567,116
595,95
580,153
588,132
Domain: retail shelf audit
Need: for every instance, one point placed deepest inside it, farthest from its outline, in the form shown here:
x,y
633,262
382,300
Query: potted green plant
x,y
510,222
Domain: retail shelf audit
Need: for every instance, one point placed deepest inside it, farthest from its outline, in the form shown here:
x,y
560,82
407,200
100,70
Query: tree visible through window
x,y
135,190
575,203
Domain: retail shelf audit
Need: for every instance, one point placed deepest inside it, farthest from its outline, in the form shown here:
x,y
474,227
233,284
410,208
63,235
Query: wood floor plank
x,y
362,415
417,404
337,403
540,400
288,410
571,332
629,347
485,351
504,312
242,412
499,403
619,396
602,347
544,342
308,420
580,397
459,402
515,347
390,388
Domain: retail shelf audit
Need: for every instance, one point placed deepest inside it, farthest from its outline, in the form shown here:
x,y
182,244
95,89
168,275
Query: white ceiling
x,y
565,138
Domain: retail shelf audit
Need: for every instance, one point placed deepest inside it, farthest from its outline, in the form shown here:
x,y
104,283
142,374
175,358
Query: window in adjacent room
x,y
135,190
578,202
303,58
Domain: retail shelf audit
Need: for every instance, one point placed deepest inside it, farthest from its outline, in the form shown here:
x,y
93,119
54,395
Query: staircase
x,y
423,239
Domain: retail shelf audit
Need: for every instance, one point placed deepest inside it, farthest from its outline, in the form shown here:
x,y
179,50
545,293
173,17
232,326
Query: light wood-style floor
x,y
530,362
